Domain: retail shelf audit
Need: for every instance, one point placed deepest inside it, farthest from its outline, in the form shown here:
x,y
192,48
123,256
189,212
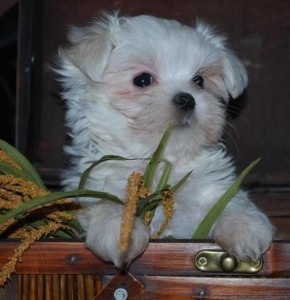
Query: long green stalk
x,y
23,162
153,203
40,201
204,227
165,176
180,183
155,159
8,169
87,172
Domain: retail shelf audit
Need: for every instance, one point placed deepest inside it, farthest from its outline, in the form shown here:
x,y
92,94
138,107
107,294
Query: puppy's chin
x,y
186,120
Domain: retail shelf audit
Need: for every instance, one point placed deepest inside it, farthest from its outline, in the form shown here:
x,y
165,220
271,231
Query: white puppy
x,y
126,79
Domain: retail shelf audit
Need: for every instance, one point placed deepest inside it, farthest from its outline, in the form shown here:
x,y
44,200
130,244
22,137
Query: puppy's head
x,y
152,72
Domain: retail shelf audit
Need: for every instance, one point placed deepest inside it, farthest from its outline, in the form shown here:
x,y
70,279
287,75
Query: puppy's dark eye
x,y
143,80
198,80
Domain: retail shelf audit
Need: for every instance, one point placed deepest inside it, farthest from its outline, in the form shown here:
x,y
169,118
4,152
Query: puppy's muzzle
x,y
184,101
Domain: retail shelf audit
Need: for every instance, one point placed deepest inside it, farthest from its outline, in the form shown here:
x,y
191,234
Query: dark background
x,y
8,55
258,31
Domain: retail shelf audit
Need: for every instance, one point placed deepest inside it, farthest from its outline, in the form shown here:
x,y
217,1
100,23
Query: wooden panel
x,y
57,287
55,258
172,288
10,290
40,287
178,259
51,287
276,205
163,258
67,270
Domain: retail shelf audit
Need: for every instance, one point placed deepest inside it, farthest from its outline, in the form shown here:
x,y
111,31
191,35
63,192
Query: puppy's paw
x,y
246,237
102,223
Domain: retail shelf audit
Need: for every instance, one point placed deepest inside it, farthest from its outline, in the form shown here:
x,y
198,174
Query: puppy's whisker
x,y
232,139
233,127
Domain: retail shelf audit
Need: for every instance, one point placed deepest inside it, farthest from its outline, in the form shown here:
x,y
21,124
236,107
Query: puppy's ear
x,y
233,72
234,75
89,51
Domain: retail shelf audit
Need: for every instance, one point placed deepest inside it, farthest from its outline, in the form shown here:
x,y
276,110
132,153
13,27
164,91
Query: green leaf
x,y
74,223
87,172
8,169
143,204
40,201
180,183
154,161
207,223
25,165
152,205
165,176
63,234
60,233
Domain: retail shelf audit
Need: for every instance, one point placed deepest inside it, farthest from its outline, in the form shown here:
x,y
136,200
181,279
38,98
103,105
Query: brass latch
x,y
221,261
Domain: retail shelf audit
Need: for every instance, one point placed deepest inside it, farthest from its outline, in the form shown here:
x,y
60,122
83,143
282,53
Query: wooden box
x,y
67,270
259,33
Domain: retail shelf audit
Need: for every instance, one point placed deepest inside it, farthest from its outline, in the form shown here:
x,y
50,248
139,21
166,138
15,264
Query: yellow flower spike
x,y
19,187
59,216
133,190
6,225
29,239
147,218
168,207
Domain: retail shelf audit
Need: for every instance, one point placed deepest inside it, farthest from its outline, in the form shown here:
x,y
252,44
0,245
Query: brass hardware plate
x,y
217,261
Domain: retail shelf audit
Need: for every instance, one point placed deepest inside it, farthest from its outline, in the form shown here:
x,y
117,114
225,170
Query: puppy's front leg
x,y
102,223
243,230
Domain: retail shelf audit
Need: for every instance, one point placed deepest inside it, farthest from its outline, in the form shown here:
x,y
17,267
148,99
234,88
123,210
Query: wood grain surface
x,y
166,270
159,259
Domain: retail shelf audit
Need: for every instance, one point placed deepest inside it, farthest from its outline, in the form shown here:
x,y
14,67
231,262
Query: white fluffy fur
x,y
108,114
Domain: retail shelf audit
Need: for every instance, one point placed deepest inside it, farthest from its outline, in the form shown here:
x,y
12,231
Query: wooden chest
x,y
67,270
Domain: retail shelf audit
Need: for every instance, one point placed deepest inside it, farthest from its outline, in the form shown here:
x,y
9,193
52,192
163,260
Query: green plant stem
x,y
165,176
40,201
23,162
180,183
204,227
154,161
7,169
105,158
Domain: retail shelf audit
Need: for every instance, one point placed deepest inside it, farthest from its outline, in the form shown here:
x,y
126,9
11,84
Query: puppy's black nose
x,y
184,101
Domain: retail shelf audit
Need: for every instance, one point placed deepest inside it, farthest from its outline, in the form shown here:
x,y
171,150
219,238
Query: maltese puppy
x,y
125,80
